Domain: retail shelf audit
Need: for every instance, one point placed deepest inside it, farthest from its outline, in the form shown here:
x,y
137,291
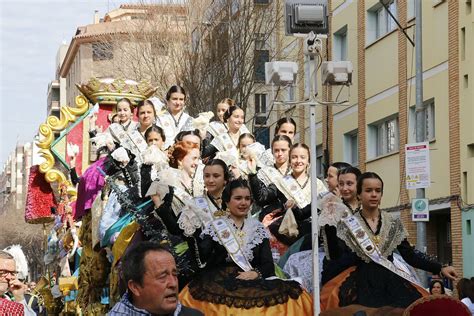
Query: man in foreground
x,y
150,273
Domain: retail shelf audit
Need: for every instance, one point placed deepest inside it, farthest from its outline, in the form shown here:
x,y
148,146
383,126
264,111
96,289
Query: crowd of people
x,y
192,216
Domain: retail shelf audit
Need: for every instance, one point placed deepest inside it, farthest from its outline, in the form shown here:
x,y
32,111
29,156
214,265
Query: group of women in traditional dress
x,y
230,209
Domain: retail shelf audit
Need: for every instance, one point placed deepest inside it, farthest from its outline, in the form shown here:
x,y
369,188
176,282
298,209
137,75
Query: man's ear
x,y
134,287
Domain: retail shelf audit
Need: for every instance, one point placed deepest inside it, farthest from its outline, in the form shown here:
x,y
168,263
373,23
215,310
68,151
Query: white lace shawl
x,y
193,217
255,233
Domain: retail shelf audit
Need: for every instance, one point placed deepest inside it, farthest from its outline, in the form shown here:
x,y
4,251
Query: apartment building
x,y
372,131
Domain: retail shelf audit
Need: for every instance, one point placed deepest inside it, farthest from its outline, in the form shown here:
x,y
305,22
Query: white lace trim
x,y
192,218
255,233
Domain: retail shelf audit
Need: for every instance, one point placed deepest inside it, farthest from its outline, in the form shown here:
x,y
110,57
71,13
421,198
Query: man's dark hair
x,y
133,263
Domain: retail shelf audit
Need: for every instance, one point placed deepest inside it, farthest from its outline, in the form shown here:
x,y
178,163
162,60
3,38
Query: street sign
x,y
420,210
417,165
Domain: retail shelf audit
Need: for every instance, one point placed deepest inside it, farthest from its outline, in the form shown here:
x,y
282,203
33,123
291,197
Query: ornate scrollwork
x,y
46,130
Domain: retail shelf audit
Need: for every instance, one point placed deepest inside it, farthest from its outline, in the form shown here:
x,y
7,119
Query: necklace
x,y
176,122
239,232
190,190
304,184
286,172
232,138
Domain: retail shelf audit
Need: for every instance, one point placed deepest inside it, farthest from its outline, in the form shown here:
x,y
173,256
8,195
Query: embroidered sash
x,y
291,189
130,139
269,175
166,121
227,238
216,128
182,196
223,142
370,249
203,203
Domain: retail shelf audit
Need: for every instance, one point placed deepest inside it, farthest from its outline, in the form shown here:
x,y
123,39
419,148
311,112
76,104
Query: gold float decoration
x,y
47,129
109,90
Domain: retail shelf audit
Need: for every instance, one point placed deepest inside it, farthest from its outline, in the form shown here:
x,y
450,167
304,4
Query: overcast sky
x,y
30,34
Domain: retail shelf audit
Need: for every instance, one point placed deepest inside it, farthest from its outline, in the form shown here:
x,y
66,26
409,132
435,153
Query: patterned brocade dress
x,y
217,291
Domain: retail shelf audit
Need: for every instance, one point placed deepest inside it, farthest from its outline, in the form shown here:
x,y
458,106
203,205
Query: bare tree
x,y
14,230
230,44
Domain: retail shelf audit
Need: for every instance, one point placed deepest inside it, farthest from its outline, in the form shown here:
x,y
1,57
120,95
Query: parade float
x,y
76,279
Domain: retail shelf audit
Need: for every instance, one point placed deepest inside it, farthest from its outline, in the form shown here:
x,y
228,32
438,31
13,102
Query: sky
x,y
31,32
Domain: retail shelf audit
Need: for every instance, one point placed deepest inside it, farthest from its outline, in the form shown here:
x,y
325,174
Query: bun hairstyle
x,y
279,138
228,101
155,128
173,89
367,175
178,151
219,162
301,145
231,186
127,100
243,136
282,121
231,110
355,171
180,135
146,102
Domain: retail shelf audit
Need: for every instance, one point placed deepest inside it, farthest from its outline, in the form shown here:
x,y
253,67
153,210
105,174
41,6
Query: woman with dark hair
x,y
285,126
219,126
238,261
174,119
154,158
371,237
202,209
146,114
437,287
332,174
286,198
465,288
227,142
126,133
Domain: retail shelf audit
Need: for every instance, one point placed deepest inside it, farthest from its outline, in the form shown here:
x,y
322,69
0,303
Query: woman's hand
x,y
156,200
252,165
449,272
289,204
249,275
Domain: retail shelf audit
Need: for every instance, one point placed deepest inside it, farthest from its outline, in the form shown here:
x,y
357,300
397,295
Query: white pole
x,y
313,91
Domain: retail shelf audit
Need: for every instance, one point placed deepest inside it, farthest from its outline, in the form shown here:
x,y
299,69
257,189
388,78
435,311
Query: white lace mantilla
x,y
193,217
254,234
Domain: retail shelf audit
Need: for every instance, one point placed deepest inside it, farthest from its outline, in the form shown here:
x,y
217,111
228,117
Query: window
x,y
261,1
351,148
379,20
429,115
260,103
291,93
102,51
260,109
319,162
260,58
340,44
383,137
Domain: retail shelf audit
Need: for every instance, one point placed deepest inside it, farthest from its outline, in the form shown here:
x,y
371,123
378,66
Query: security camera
x,y
305,16
336,73
280,72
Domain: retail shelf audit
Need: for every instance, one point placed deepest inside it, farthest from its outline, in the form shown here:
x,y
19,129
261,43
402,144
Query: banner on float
x,y
417,166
